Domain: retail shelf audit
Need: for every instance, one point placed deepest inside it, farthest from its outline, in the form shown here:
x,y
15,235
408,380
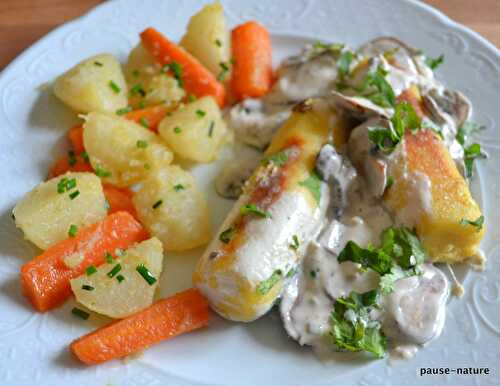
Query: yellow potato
x,y
207,38
121,151
172,208
120,296
46,213
163,89
96,84
195,131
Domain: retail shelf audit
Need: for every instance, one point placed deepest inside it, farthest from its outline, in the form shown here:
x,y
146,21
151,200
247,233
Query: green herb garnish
x,y
176,70
109,258
117,268
144,272
124,110
376,88
390,182
313,184
223,72
120,278
218,43
72,231
137,89
179,187
87,287
157,204
295,243
91,269
65,185
101,172
200,113
478,223
141,144
211,129
144,122
177,130
344,63
71,158
278,159
227,235
265,286
98,64
85,156
114,87
252,209
434,63
80,313
74,194
136,73
471,153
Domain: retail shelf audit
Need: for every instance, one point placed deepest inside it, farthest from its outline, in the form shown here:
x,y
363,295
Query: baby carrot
x,y
75,135
149,117
73,163
45,279
167,318
195,78
119,199
252,68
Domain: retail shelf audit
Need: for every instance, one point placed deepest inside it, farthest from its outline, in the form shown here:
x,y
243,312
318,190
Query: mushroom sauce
x,y
354,178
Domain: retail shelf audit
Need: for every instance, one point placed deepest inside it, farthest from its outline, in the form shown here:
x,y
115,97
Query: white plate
x,y
33,347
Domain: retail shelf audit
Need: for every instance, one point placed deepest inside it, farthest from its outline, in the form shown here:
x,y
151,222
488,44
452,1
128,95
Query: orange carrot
x,y
63,165
45,279
75,135
167,318
119,199
252,68
196,78
149,116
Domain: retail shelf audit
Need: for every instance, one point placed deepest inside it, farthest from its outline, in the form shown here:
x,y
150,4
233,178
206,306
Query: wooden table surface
x,y
23,22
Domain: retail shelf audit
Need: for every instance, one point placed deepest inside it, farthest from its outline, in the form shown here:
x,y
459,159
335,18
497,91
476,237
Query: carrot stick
x,y
150,116
63,165
252,68
196,78
45,279
167,318
119,199
75,135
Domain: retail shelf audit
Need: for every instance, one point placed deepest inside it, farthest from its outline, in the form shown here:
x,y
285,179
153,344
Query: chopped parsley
x,y
91,269
71,158
252,209
74,194
137,89
400,255
434,63
157,204
124,110
278,159
265,286
141,144
390,182
144,272
73,230
313,184
177,130
80,313
376,88
101,172
352,329
179,187
295,243
120,278
116,89
87,287
227,235
223,72
468,128
117,268
344,63
144,122
471,153
65,185
211,129
201,113
478,223
404,118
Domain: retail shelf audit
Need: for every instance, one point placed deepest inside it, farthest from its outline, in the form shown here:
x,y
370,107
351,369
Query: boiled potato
x,y
127,291
46,214
121,151
195,131
96,84
172,208
207,38
148,84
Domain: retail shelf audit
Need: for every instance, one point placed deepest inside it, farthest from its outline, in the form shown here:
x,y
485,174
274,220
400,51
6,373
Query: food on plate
x,y
125,283
95,84
172,208
121,151
165,319
195,131
350,169
46,278
47,212
207,39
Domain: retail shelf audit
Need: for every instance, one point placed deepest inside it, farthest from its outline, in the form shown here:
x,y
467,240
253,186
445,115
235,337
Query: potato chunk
x,y
121,151
118,289
46,214
195,131
207,38
172,208
96,84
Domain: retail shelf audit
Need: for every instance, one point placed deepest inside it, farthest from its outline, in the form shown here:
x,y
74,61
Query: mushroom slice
x,y
359,107
453,103
397,53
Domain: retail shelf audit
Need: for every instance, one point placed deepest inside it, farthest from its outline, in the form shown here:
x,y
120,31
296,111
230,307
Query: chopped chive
x,y
70,184
85,156
73,229
109,257
136,73
211,129
80,313
141,144
313,274
98,64
295,243
91,269
114,87
227,235
179,187
390,182
74,194
200,113
191,98
144,272
137,89
100,172
218,43
157,204
71,158
124,110
224,71
117,268
177,130
61,185
120,278
142,104
176,70
87,287
252,209
144,122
